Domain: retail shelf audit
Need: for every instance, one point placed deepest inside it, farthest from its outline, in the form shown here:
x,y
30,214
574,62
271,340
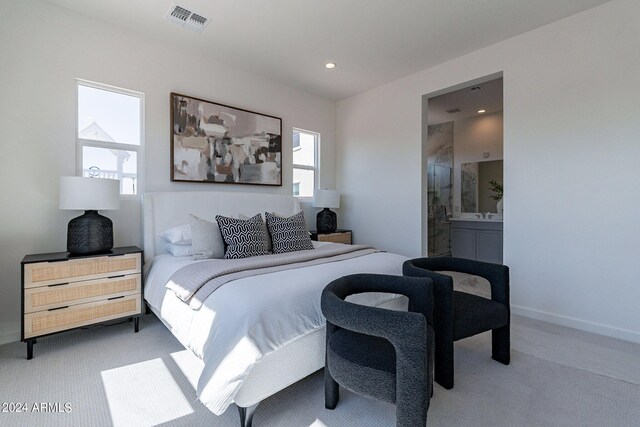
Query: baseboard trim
x,y
10,333
572,322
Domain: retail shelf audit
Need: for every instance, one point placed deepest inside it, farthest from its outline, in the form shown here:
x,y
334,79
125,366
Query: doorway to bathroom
x,y
463,157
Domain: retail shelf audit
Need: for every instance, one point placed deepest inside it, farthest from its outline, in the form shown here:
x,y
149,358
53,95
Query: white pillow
x,y
179,235
178,250
206,240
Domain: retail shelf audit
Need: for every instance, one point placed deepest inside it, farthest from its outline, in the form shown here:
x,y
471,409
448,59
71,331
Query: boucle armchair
x,y
380,353
458,315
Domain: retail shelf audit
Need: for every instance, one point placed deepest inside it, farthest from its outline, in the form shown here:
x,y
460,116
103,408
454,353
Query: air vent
x,y
186,18
453,110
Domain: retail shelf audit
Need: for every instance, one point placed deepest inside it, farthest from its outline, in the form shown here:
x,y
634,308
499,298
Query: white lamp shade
x,y
95,194
326,198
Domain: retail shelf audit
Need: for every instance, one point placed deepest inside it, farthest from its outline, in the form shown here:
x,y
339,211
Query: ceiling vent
x,y
186,18
453,110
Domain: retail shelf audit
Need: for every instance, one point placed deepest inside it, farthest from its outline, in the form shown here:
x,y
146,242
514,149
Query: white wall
x,y
571,153
41,57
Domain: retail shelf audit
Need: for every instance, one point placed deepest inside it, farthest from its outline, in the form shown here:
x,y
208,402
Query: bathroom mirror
x,y
475,192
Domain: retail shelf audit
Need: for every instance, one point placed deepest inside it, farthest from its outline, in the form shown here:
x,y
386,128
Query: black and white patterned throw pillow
x,y
288,234
244,238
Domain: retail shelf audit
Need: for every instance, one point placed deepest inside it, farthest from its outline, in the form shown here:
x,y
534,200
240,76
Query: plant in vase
x,y
498,191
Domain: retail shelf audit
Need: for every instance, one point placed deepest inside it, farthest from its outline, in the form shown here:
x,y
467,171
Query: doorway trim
x,y
424,213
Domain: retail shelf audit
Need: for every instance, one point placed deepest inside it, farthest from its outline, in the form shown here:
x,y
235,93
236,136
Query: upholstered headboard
x,y
166,210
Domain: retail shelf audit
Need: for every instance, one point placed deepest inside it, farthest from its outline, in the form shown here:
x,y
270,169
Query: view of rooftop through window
x,y
109,134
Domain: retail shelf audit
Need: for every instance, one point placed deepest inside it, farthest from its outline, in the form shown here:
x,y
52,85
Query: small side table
x,y
339,236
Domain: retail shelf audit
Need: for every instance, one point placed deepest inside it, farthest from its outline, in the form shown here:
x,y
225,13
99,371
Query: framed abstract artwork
x,y
216,143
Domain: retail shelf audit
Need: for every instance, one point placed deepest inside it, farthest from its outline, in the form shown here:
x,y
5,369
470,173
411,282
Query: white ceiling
x,y
485,96
371,41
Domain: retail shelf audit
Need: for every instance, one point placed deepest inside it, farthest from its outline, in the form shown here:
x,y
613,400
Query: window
x,y
305,162
110,132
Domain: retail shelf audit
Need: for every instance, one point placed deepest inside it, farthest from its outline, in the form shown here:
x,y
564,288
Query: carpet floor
x,y
107,375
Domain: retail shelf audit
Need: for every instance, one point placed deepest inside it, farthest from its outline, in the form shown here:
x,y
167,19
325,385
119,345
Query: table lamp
x,y
90,233
326,220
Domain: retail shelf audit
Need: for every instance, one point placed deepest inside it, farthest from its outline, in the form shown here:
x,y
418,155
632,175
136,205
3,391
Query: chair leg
x,y
444,364
412,395
431,354
501,345
331,390
246,415
410,414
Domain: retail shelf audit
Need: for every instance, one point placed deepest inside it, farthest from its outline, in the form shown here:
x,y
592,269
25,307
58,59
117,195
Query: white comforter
x,y
246,319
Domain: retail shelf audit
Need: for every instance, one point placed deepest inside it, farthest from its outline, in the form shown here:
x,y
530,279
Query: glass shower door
x,y
440,195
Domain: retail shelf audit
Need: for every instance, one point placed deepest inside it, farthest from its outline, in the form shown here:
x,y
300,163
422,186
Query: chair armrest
x,y
419,291
496,274
442,283
392,325
442,297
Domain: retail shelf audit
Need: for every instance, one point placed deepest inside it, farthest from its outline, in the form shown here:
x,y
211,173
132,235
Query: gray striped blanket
x,y
194,283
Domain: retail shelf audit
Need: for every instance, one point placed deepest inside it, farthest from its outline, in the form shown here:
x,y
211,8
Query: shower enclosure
x,y
439,188
440,195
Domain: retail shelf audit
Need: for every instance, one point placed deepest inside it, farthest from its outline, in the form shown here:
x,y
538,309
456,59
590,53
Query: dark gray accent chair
x,y
381,353
458,315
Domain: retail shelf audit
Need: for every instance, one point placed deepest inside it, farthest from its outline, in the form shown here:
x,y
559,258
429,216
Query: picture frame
x,y
217,143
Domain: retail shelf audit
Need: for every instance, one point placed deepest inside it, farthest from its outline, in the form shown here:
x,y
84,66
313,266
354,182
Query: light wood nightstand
x,y
339,236
62,292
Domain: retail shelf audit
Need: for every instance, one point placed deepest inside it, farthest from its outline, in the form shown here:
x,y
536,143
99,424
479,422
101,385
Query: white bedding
x,y
248,318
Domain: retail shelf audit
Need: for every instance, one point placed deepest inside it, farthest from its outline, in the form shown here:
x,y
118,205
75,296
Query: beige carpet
x,y
111,376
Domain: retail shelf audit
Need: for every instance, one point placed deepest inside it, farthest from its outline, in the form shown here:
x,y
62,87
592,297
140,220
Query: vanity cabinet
x,y
478,240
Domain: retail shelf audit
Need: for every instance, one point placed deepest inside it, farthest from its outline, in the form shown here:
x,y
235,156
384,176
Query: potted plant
x,y
498,191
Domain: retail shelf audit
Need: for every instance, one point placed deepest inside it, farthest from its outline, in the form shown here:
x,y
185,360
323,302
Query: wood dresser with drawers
x,y
62,292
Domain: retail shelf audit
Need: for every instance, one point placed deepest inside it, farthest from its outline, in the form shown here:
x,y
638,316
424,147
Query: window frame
x,y
315,168
139,149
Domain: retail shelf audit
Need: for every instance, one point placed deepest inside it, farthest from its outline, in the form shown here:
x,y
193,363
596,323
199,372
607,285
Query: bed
x,y
255,335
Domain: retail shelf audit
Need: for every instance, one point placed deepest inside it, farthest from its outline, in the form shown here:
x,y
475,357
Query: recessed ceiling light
x,y
330,65
482,111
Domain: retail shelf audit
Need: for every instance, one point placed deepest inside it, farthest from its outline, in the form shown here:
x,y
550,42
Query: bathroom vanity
x,y
477,238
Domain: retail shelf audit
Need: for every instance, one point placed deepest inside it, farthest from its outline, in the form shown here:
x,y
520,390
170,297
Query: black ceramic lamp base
x,y
90,233
326,221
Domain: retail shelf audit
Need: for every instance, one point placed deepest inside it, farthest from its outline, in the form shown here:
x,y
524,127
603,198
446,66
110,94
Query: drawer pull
x,y
115,277
58,284
112,298
58,308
